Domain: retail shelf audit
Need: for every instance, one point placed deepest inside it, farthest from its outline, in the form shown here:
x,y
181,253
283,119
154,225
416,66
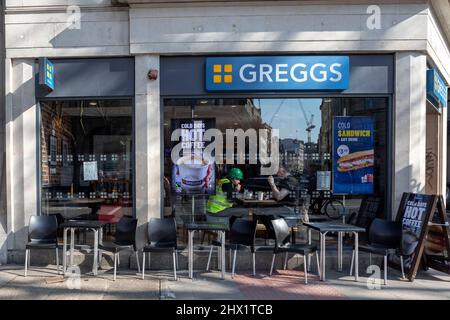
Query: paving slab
x,y
43,283
204,286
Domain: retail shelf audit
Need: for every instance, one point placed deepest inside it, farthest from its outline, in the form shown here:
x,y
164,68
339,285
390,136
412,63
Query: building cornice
x,y
442,12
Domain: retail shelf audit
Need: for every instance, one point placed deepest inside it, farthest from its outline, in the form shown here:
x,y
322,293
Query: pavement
x,y
43,283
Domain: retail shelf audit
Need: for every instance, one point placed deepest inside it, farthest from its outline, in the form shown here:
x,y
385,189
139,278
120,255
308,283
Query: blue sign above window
x,y
437,91
46,74
273,73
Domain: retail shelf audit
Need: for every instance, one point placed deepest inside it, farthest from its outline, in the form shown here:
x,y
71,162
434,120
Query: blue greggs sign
x,y
46,74
310,73
437,91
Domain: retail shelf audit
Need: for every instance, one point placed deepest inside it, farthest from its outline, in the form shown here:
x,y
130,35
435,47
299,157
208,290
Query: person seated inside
x,y
285,187
223,197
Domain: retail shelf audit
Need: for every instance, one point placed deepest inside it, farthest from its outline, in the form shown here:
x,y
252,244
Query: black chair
x,y
162,237
369,210
282,245
384,239
42,234
242,237
124,239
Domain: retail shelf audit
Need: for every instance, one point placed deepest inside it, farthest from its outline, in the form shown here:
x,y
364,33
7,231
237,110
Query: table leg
x,y
309,243
190,253
100,236
356,256
219,251
223,254
339,251
95,267
72,244
321,255
322,250
64,250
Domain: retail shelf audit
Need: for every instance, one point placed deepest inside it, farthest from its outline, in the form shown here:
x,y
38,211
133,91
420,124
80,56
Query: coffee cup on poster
x,y
193,170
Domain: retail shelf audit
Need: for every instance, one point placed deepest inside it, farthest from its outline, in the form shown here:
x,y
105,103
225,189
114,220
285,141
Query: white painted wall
x,y
101,32
410,125
148,144
267,28
21,149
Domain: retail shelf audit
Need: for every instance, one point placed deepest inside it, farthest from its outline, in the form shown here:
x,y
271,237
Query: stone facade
x,y
416,31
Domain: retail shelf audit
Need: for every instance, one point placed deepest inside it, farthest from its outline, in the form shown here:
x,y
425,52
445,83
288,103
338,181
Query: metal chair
x,y
162,236
384,239
282,245
42,234
125,239
242,237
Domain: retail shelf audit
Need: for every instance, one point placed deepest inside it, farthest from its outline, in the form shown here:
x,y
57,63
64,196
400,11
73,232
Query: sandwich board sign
x,y
423,219
353,155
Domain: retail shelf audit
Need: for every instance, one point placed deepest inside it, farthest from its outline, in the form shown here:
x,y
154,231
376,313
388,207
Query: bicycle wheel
x,y
334,209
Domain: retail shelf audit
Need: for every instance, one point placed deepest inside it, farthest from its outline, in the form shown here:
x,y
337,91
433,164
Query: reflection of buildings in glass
x,y
325,135
292,152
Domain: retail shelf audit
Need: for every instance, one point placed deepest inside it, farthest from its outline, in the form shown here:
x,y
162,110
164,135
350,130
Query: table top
x,y
83,224
318,218
275,211
207,226
79,200
232,212
68,212
333,227
257,203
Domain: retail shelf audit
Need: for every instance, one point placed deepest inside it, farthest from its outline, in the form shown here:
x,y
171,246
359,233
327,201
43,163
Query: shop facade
x,y
136,71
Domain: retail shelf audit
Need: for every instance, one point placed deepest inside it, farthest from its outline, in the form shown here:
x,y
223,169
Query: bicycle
x,y
332,208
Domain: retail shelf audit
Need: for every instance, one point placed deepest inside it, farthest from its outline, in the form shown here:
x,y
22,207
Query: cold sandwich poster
x,y
353,155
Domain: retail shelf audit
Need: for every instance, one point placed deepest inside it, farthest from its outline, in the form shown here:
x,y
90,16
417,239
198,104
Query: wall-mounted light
x,y
152,74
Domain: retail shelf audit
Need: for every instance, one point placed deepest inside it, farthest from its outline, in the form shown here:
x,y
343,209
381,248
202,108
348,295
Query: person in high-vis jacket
x,y
222,199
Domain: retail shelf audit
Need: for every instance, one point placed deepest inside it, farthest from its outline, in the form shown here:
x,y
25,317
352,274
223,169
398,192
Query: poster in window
x,y
52,150
353,155
193,172
65,153
323,180
90,171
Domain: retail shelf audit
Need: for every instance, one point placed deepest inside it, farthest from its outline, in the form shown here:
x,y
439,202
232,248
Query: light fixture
x,y
203,101
233,106
93,103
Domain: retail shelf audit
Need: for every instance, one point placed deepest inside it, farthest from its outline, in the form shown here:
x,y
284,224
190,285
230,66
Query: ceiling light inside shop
x,y
234,106
93,103
203,101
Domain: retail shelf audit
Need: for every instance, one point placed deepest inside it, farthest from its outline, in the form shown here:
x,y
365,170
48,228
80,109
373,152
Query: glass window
x,y
86,159
305,148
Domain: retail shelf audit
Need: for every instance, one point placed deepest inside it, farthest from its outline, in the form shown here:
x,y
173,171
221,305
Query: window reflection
x,y
86,167
305,129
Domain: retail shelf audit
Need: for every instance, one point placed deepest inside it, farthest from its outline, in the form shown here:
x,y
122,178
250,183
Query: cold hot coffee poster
x,y
415,213
193,172
353,155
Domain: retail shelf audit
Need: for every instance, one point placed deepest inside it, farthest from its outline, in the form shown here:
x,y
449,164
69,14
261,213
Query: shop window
x,y
86,159
305,149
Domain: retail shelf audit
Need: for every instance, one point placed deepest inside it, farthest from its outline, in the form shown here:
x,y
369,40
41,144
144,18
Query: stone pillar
x,y
148,144
22,136
409,126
